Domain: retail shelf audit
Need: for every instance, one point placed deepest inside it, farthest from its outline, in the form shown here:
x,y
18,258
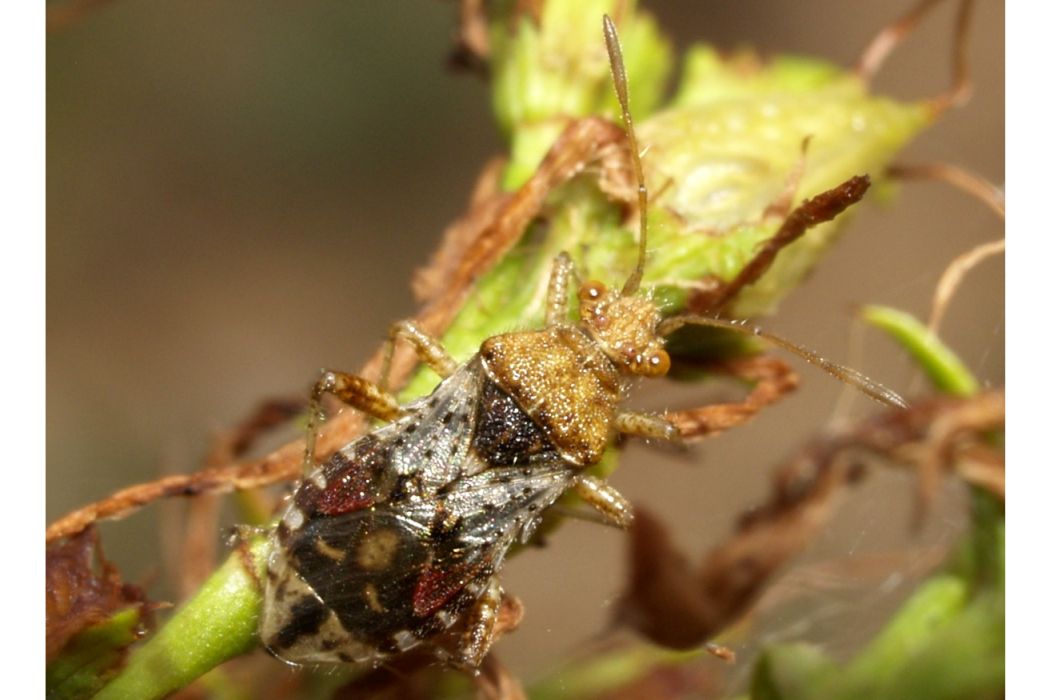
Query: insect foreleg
x,y
772,379
558,291
428,348
605,499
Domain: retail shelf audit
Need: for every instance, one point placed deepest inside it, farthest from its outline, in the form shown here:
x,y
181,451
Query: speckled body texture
x,y
397,538
563,381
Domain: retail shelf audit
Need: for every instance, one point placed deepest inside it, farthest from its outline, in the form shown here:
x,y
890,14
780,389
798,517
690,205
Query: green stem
x,y
218,624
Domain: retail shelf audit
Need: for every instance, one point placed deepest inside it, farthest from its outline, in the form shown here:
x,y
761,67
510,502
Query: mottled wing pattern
x,y
402,530
343,559
432,441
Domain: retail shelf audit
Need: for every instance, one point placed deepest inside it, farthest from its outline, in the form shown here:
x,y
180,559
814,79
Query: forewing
x,y
474,524
422,451
432,441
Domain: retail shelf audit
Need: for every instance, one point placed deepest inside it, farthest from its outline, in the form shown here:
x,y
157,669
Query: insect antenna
x,y
619,74
849,376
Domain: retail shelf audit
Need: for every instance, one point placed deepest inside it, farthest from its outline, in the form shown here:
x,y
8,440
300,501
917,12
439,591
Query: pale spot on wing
x,y
377,550
329,551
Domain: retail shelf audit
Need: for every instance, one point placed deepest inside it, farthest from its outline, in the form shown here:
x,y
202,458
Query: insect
x,y
397,540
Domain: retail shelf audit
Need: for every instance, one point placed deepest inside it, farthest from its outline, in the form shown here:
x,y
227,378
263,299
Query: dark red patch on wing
x,y
437,586
355,482
352,491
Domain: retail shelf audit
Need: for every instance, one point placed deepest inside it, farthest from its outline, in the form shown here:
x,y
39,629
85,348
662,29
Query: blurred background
x,y
238,193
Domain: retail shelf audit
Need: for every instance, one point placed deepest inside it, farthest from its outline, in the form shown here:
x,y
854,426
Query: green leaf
x,y
723,153
910,631
92,657
544,75
790,672
607,672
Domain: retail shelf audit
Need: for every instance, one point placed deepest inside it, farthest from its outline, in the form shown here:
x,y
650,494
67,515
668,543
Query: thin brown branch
x,y
216,477
962,85
968,182
773,379
955,273
886,40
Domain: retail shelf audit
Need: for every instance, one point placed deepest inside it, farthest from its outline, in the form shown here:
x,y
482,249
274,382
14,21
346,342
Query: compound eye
x,y
591,291
657,364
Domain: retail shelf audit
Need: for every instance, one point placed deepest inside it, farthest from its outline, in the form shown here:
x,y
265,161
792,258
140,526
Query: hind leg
x,y
478,637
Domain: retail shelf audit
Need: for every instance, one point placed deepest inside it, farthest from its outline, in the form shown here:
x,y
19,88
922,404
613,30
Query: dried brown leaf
x,y
78,595
674,605
823,207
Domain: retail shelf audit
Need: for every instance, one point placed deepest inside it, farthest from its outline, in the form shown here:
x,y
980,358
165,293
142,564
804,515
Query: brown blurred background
x,y
239,191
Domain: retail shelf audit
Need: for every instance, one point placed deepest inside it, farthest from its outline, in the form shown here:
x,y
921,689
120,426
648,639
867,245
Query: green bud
x,y
545,75
723,153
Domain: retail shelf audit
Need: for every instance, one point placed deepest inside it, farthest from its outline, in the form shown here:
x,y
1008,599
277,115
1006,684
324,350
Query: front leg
x,y
646,425
772,379
558,291
428,348
371,398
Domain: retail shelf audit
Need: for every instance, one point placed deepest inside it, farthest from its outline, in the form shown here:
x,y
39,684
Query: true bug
x,y
398,538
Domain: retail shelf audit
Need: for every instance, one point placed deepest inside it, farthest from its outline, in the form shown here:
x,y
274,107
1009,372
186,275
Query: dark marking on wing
x,y
356,478
306,618
504,434
436,586
371,589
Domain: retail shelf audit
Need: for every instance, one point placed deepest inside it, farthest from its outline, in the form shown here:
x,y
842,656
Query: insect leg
x,y
353,391
646,425
428,348
558,291
480,621
605,499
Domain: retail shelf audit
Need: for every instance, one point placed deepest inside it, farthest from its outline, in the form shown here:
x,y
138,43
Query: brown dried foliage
x,y
216,476
886,41
823,207
676,605
78,596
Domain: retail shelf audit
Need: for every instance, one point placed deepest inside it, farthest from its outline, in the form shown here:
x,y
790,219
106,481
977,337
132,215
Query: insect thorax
x,y
563,381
